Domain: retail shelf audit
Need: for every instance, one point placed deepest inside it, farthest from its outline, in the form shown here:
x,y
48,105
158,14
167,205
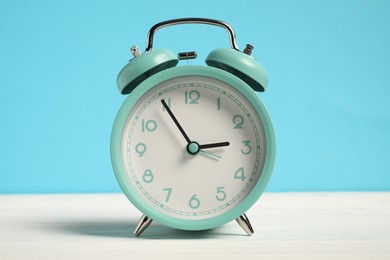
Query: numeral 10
x,y
148,125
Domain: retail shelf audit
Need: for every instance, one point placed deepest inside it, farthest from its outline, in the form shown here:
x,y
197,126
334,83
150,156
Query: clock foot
x,y
243,221
143,224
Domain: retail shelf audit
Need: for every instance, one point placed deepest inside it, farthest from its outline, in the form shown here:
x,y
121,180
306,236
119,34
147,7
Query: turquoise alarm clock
x,y
192,147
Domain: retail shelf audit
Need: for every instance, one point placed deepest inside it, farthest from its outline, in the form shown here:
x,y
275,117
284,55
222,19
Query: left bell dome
x,y
144,66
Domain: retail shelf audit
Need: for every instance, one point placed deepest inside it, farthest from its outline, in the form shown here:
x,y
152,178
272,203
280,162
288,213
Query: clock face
x,y
192,147
181,178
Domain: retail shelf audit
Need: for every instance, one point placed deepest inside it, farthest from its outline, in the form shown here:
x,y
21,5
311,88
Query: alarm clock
x,y
192,147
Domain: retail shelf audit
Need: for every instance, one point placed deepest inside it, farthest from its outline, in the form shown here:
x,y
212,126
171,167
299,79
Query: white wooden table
x,y
287,226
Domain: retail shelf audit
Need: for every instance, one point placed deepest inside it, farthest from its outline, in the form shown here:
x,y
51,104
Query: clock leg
x,y
243,221
143,224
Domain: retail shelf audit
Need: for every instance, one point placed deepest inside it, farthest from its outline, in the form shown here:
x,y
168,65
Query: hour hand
x,y
213,145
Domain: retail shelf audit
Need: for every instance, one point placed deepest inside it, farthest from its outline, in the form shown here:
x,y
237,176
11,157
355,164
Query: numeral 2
x,y
238,121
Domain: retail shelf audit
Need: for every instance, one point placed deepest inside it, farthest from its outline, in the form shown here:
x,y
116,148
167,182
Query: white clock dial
x,y
180,178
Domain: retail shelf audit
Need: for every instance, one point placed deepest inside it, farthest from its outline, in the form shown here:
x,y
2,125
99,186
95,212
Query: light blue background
x,y
328,63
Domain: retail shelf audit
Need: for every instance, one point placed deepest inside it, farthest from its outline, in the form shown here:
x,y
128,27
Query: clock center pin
x,y
193,148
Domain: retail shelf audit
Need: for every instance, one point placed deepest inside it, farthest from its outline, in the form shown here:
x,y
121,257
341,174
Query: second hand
x,y
211,154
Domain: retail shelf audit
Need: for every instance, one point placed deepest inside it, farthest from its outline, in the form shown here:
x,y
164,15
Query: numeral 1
x,y
168,101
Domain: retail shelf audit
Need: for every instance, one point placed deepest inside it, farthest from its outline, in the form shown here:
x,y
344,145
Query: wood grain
x,y
287,226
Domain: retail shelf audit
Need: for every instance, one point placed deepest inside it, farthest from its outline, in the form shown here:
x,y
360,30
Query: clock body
x,y
177,183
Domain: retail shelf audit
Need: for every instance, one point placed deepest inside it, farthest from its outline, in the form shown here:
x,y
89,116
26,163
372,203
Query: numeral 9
x,y
140,149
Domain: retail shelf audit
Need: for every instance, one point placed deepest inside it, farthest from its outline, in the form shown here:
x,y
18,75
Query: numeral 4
x,y
239,174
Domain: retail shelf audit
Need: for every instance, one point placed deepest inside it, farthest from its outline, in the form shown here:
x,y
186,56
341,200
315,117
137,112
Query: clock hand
x,y
211,154
213,145
175,120
197,149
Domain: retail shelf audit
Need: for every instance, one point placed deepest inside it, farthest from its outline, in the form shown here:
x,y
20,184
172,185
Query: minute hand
x,y
175,121
213,145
